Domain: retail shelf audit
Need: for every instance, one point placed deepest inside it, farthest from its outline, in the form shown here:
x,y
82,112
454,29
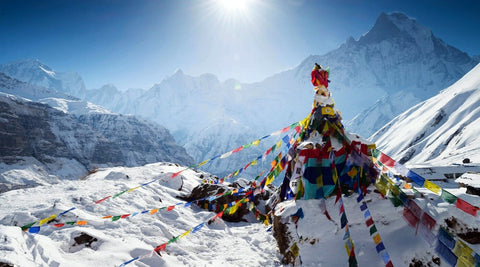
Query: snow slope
x,y
219,243
216,244
439,131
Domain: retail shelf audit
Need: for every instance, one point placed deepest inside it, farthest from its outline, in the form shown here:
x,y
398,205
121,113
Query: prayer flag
x,y
431,186
446,254
34,230
446,238
385,257
373,230
153,211
419,180
203,162
25,227
82,223
170,208
125,216
225,155
116,218
161,247
46,220
343,220
386,160
103,199
366,214
256,142
363,207
376,238
186,233
58,225
448,197
369,222
237,149
131,189
380,247
467,207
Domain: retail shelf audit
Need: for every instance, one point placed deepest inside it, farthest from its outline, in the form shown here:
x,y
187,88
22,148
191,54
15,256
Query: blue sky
x,y
137,43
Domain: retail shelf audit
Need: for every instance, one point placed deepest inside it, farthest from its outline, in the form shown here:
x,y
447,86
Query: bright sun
x,y
233,5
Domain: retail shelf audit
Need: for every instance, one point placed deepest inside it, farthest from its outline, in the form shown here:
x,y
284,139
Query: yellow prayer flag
x,y
278,144
266,222
270,179
46,220
254,162
233,209
372,146
153,211
377,239
131,189
82,222
203,162
256,142
186,233
236,173
464,253
431,186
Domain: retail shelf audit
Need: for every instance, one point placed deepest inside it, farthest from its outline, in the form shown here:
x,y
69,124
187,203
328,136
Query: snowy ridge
x,y
439,131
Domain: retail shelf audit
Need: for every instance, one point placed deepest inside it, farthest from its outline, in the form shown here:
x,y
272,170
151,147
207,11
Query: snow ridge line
x,y
225,155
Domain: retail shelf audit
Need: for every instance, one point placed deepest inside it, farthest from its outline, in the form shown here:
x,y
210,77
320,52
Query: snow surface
x,y
217,244
439,131
235,244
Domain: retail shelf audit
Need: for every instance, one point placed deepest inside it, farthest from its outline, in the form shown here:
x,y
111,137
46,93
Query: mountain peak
x,y
397,25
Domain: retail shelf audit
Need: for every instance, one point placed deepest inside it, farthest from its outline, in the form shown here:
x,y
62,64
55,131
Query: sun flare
x,y
233,5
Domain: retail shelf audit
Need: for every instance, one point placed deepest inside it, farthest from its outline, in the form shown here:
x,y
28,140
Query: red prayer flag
x,y
169,208
237,149
386,160
161,247
467,207
98,201
59,225
124,216
369,222
410,217
175,174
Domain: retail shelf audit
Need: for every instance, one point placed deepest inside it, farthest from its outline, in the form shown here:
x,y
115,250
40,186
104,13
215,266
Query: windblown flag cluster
x,y
455,251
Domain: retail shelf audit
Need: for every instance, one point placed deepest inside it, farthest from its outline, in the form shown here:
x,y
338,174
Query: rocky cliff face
x,y
37,130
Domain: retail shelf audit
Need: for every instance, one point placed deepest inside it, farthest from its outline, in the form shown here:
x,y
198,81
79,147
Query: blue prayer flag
x,y
34,230
367,214
385,257
363,207
380,247
198,227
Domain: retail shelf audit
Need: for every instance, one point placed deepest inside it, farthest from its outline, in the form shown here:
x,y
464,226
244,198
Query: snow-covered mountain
x,y
398,62
62,145
397,54
34,72
439,131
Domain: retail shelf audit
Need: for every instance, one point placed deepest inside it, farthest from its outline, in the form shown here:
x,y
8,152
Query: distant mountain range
x,y
66,137
395,65
439,131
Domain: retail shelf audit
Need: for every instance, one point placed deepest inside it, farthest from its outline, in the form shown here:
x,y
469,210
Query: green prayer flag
x,y
25,227
118,194
376,153
116,218
447,196
71,223
373,230
173,239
